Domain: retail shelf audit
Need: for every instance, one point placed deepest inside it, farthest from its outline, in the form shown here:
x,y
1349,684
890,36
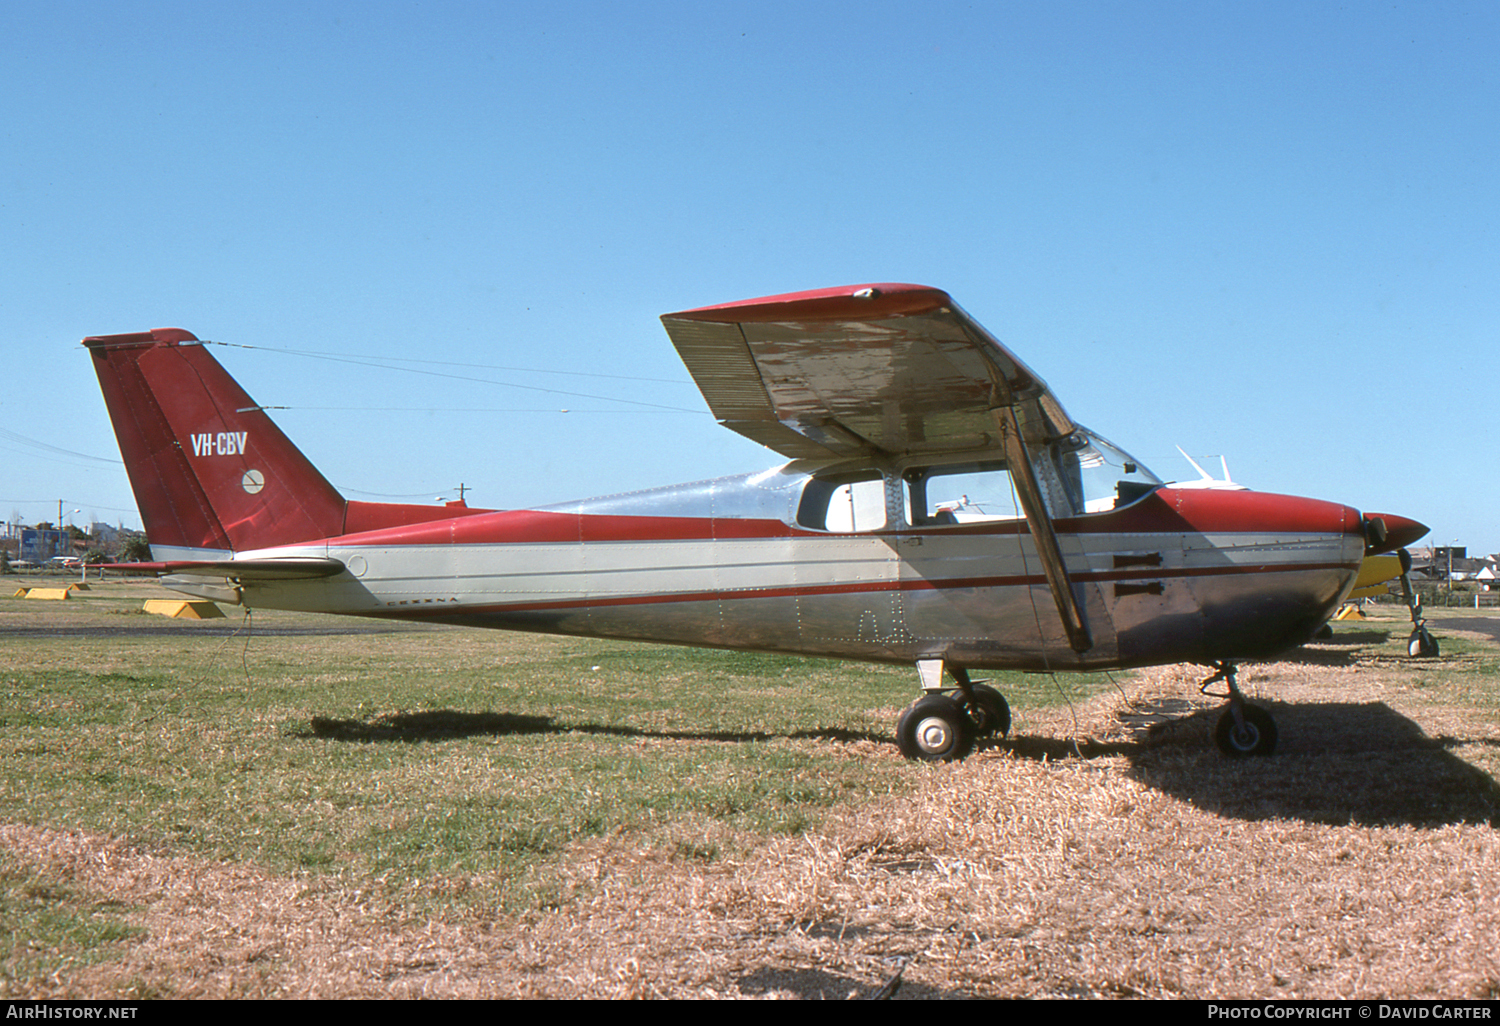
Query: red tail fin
x,y
209,469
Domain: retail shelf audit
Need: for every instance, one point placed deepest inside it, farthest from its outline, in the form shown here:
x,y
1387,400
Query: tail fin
x,y
210,471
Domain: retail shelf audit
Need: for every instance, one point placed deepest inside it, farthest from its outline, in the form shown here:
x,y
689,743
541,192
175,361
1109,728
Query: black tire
x,y
1258,737
989,711
1421,644
935,728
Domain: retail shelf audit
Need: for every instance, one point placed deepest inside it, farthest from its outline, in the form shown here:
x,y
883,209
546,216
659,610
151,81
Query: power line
x,y
39,444
365,361
449,363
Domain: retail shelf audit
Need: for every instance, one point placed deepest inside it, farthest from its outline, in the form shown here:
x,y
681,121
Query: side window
x,y
843,504
962,493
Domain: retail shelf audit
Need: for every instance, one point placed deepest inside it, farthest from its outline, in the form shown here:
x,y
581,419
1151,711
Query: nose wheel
x,y
1251,731
1243,729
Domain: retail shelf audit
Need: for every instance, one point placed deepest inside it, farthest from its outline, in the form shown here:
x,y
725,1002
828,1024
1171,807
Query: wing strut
x,y
1047,548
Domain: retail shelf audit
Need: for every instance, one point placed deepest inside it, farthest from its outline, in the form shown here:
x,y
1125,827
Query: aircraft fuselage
x,y
1176,575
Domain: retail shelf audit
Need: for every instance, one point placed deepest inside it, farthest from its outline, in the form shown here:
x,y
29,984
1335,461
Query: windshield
x,y
1100,476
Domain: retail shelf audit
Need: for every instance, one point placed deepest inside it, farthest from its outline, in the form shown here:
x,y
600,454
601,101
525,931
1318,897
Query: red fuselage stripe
x,y
1165,512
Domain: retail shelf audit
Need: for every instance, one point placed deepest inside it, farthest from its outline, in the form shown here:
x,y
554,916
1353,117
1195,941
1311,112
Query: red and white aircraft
x,y
940,510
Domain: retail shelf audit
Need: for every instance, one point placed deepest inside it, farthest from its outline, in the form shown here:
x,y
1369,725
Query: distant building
x,y
1452,562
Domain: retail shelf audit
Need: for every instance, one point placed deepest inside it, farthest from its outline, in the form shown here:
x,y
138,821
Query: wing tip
x,y
847,302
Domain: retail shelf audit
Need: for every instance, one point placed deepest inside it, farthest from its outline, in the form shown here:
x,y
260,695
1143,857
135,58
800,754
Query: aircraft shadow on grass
x,y
1336,763
1346,648
1353,638
442,724
1339,763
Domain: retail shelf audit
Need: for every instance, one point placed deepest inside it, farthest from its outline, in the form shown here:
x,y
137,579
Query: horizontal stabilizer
x,y
288,568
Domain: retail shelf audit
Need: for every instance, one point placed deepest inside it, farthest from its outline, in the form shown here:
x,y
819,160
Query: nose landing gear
x,y
1243,729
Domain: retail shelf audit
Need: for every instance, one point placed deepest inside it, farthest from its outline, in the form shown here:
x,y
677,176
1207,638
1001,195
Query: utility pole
x,y
1450,570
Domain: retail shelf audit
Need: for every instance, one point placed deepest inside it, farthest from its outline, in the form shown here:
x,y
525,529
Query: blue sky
x,y
1264,230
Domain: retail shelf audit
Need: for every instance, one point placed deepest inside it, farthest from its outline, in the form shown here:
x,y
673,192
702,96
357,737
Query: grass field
x,y
314,806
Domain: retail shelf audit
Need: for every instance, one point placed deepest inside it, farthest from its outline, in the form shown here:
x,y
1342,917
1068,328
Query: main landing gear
x,y
941,727
1243,729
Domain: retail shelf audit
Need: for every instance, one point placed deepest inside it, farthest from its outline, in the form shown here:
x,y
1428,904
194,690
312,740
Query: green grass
x,y
414,755
446,770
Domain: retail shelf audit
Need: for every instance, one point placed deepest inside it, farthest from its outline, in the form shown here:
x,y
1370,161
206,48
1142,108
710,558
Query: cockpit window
x,y
1081,474
1099,476
843,503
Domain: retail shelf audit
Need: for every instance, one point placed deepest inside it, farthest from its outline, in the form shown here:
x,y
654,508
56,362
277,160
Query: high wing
x,y
879,370
864,370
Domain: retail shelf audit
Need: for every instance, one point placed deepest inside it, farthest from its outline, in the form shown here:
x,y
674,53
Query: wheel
x,y
989,711
1421,644
1257,737
935,728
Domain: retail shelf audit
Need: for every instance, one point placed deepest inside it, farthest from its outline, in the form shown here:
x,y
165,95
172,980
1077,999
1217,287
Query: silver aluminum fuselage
x,y
1174,576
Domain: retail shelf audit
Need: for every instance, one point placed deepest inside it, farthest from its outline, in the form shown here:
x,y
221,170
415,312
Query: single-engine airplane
x,y
939,510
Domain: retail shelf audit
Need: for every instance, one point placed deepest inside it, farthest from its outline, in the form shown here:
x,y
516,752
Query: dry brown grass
x,y
1362,861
